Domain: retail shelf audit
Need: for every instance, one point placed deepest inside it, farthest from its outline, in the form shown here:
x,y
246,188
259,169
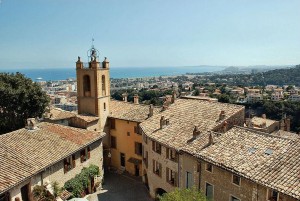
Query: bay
x,y
48,74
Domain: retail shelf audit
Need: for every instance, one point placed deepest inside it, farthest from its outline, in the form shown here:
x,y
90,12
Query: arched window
x,y
103,86
86,85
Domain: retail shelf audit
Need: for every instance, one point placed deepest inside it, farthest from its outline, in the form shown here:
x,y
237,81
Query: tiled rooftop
x,y
183,116
58,114
259,121
24,152
130,111
266,159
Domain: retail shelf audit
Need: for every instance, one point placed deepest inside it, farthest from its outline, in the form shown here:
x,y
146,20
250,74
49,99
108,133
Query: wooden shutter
x,y
65,166
167,174
153,163
176,179
168,150
160,169
73,161
88,152
136,145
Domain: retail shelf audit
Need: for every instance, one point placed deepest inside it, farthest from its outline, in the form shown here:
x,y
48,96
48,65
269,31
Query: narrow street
x,y
122,188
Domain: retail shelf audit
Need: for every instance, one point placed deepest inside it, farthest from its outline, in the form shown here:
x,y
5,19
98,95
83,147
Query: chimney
x,y
264,116
125,97
196,132
162,122
150,111
222,115
31,124
105,63
288,124
168,99
136,99
210,139
225,126
173,97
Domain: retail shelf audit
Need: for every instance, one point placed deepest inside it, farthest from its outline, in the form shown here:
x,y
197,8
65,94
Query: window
x,y
145,158
209,167
236,179
86,86
172,155
112,123
69,163
274,195
209,191
171,177
198,167
137,130
189,180
85,154
128,133
138,148
5,197
113,142
104,106
156,147
232,198
157,168
103,86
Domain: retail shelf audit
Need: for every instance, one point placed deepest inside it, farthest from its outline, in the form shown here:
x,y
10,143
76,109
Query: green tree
x,y
185,194
20,99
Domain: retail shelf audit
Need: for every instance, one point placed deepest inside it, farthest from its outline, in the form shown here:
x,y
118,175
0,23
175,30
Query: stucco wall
x,y
125,144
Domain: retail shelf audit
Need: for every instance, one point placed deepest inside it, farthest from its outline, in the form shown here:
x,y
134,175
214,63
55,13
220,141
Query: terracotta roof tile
x,y
130,111
183,116
266,159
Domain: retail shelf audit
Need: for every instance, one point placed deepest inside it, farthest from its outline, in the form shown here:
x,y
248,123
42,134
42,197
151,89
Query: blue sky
x,y
52,33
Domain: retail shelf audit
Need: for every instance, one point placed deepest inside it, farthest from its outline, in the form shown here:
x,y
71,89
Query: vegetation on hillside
x,y
145,96
20,99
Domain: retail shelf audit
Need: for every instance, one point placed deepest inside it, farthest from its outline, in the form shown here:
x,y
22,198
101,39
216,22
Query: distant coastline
x,y
51,74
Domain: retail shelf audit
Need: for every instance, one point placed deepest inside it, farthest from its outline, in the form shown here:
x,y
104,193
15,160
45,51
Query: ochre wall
x,y
125,144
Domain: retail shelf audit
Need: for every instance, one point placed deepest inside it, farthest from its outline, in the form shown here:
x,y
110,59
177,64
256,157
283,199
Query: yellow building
x,y
125,137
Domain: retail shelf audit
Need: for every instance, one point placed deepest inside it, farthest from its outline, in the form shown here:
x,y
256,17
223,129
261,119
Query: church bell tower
x,y
93,86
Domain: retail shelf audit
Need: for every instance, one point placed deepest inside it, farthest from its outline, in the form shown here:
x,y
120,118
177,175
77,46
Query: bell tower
x,y
93,86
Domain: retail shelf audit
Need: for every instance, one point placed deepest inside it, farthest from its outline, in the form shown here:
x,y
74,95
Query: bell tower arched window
x,y
103,86
86,86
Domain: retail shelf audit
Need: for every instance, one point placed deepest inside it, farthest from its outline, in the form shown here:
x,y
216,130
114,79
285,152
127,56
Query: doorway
x,y
25,193
122,158
137,170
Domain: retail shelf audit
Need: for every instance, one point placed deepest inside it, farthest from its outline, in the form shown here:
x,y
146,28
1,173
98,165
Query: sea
x,y
52,74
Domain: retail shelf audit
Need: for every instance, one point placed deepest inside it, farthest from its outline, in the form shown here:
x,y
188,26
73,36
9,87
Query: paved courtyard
x,y
122,188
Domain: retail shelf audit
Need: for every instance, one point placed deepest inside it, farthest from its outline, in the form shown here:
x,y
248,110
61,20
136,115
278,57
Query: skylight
x,y
252,150
269,151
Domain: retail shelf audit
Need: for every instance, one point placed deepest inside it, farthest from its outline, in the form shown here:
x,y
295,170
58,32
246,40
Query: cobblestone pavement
x,y
121,188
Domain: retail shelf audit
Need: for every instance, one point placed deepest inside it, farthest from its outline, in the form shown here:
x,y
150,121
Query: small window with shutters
x,y
112,123
157,168
138,148
171,177
84,154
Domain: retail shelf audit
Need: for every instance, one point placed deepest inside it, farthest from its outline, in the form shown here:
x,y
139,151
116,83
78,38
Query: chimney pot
x,y
136,99
210,139
222,115
31,124
150,111
196,132
125,97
